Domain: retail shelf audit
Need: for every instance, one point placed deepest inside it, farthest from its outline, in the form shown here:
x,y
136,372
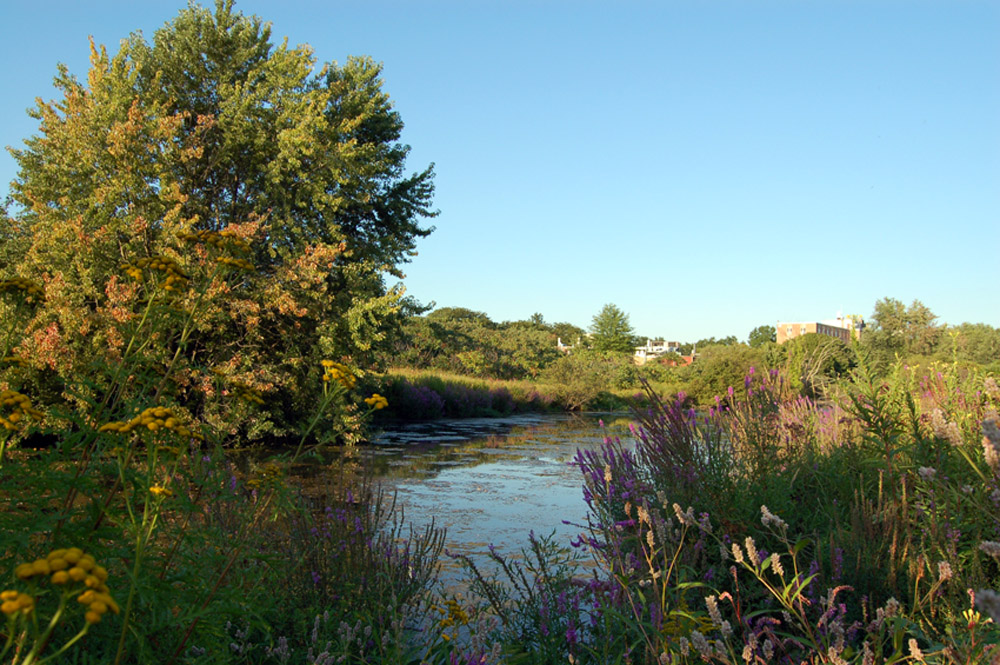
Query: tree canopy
x,y
900,330
761,335
611,331
213,127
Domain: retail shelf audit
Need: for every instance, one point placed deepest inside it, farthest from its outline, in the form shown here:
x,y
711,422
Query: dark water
x,y
492,481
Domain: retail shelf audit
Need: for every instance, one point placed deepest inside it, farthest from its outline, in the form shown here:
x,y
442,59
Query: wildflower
x,y
737,553
242,264
991,548
66,567
751,551
915,650
943,429
701,644
927,473
944,571
376,401
685,517
991,444
989,601
770,519
834,657
776,564
159,490
685,646
18,406
16,601
334,371
713,610
247,394
176,280
223,240
152,419
29,290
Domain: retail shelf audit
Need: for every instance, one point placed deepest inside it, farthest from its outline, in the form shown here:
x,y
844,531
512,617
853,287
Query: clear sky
x,y
707,166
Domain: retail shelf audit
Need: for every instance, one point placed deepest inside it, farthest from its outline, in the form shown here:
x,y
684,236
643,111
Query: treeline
x,y
599,361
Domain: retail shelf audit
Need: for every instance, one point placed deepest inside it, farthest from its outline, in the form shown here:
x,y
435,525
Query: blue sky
x,y
706,166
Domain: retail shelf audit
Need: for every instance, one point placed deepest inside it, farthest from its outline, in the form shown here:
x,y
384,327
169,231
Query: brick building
x,y
843,328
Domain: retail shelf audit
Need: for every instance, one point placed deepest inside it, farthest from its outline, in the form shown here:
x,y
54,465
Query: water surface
x,y
491,481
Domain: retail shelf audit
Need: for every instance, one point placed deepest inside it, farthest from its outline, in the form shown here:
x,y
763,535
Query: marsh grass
x,y
775,529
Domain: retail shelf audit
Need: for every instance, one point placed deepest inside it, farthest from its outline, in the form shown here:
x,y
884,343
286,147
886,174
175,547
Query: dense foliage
x,y
229,162
610,330
579,376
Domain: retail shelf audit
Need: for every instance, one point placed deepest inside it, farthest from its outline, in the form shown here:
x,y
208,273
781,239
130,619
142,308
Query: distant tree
x,y
537,319
611,331
579,378
718,368
460,314
703,344
761,335
900,330
977,343
525,349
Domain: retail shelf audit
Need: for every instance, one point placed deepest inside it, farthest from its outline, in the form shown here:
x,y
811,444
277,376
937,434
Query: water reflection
x,y
497,486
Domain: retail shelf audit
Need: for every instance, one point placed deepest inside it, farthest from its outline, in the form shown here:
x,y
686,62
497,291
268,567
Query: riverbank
x,y
424,395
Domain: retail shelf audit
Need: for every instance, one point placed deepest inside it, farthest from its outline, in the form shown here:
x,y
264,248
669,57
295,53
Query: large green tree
x,y
214,127
761,335
898,330
611,331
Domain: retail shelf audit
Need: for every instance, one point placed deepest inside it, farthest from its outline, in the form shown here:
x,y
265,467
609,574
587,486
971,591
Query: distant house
x,y
654,348
843,328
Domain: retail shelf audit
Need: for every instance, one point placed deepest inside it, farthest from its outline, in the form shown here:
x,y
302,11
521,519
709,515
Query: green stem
x,y
145,532
328,396
43,639
76,638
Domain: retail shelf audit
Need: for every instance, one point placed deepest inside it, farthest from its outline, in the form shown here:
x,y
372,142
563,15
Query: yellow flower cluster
x,y
158,490
13,360
176,279
15,601
65,567
19,406
454,614
31,290
376,401
224,239
243,264
246,393
340,373
153,419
